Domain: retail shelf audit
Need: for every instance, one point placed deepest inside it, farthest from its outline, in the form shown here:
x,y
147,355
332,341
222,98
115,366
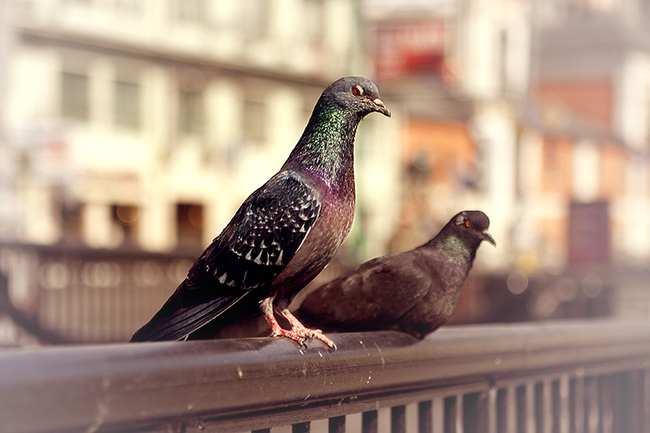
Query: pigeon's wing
x,y
372,296
243,260
188,309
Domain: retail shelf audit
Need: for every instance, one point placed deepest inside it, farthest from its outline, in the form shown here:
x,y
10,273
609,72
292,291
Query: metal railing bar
x,y
592,411
520,408
438,415
459,401
562,406
338,408
577,399
363,403
508,410
113,386
606,403
492,410
578,370
547,406
645,397
412,416
353,422
529,402
384,420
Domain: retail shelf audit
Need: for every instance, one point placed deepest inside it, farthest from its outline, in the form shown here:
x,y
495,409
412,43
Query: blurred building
x,y
460,70
146,123
593,85
539,114
592,142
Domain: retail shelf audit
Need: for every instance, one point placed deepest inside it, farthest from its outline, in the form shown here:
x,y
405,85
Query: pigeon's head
x,y
472,226
358,95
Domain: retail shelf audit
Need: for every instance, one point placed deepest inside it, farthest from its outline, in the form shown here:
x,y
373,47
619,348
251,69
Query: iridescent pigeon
x,y
414,291
283,234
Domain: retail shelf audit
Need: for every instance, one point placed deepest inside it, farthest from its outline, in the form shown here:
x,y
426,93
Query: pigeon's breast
x,y
322,243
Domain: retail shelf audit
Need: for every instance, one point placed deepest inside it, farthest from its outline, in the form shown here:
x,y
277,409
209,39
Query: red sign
x,y
408,48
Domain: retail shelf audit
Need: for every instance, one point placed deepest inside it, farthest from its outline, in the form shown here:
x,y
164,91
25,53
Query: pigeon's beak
x,y
381,107
488,237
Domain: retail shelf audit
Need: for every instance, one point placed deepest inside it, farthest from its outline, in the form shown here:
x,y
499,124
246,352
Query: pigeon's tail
x,y
183,314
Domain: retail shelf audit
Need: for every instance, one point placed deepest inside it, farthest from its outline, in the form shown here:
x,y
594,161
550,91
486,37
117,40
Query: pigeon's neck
x,y
454,248
326,148
454,260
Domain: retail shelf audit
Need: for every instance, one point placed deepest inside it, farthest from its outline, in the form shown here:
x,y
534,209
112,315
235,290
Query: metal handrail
x,y
239,382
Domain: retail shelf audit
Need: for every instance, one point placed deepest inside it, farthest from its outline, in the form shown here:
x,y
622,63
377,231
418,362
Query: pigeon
x,y
413,292
282,235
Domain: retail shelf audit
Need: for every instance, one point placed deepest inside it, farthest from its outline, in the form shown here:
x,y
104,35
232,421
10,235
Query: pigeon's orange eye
x,y
468,223
357,91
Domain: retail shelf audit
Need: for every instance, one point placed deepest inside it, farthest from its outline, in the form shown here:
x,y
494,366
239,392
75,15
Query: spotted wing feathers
x,y
264,235
257,244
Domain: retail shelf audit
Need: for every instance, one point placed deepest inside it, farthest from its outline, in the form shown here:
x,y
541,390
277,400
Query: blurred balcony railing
x,y
572,376
85,295
62,294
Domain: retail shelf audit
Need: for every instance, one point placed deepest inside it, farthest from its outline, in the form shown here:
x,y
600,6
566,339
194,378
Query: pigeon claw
x,y
306,333
300,334
317,334
291,334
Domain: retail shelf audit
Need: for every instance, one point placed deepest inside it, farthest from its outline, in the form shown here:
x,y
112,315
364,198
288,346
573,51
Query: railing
x,y
86,295
576,376
62,294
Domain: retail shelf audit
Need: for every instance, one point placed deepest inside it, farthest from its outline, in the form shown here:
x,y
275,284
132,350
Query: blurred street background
x,y
131,130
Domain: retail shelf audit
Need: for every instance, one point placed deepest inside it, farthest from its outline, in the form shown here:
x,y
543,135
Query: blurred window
x,y
189,10
70,212
74,96
588,235
647,116
254,121
125,218
503,61
189,225
254,19
314,21
126,107
191,112
127,6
